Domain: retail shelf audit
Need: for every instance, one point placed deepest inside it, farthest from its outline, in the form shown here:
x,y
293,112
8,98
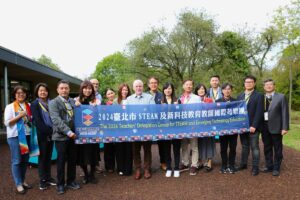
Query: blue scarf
x,y
45,112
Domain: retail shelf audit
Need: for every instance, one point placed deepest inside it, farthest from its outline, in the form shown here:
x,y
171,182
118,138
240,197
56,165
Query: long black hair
x,y
173,97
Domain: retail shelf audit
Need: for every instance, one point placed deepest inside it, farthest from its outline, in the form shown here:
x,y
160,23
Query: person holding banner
x,y
153,90
206,145
169,98
141,98
110,148
42,121
123,149
275,126
17,119
226,140
254,101
188,98
87,154
61,111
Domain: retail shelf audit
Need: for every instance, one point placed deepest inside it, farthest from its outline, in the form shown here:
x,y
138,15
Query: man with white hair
x,y
95,83
141,98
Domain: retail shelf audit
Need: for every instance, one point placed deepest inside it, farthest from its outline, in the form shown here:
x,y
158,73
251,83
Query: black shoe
x,y
51,181
231,170
27,186
43,186
60,189
93,180
223,170
73,186
267,170
242,167
85,180
255,172
275,173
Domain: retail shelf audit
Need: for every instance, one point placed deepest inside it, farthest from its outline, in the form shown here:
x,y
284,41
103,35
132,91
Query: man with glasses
x,y
254,101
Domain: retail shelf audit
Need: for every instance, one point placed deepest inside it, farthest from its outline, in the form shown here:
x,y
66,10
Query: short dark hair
x,y
153,77
20,87
63,82
187,81
215,76
269,80
37,87
250,77
200,85
225,85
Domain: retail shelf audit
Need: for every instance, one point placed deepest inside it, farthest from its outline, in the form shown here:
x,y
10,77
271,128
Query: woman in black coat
x,y
43,123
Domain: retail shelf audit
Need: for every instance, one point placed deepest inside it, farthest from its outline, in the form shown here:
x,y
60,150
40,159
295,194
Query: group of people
x,y
54,123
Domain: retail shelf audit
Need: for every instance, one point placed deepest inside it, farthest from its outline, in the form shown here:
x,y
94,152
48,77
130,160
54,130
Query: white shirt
x,y
9,114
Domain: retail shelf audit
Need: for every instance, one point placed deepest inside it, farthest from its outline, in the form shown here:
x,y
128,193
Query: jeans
x,y
250,140
18,162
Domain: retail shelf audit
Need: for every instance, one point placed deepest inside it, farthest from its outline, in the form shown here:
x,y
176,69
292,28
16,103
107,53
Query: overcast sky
x,y
78,34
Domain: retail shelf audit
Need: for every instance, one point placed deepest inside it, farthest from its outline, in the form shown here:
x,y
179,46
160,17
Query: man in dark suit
x,y
254,102
61,111
276,124
153,90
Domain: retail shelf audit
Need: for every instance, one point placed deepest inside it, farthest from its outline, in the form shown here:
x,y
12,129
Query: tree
x,y
44,60
112,70
178,54
287,23
192,49
281,75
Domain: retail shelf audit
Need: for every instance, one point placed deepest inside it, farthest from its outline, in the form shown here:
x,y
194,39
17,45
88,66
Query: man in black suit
x,y
254,102
153,90
276,124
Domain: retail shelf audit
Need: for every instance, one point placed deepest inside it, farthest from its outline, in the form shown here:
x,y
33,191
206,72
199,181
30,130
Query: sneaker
x,y
20,189
60,189
73,186
169,173
193,171
176,173
51,181
43,186
223,170
121,173
27,186
231,170
184,168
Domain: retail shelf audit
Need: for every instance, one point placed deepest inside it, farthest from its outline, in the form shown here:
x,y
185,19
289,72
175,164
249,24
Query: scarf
x,y
45,112
23,125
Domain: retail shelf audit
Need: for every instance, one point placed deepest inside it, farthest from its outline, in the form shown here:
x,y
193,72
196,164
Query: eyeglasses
x,y
20,93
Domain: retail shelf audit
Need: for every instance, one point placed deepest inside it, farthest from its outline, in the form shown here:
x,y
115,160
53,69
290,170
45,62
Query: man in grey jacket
x,y
62,116
276,124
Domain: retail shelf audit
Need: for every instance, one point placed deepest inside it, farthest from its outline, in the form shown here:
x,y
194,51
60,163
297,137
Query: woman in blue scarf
x,y
43,123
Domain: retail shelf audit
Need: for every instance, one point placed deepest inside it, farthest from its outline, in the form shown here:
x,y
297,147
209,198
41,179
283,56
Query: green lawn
x,y
292,139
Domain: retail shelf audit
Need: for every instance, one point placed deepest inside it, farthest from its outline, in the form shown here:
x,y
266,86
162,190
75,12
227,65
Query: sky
x,y
76,35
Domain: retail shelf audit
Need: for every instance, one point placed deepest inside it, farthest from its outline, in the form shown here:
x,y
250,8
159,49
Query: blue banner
x,y
120,123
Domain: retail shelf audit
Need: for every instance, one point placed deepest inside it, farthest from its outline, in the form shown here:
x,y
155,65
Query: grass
x,y
292,139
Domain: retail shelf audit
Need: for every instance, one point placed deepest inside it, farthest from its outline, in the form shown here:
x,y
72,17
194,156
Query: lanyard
x,y
43,108
269,101
248,97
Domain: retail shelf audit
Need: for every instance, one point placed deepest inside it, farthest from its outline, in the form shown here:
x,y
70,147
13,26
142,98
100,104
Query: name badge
x,y
266,116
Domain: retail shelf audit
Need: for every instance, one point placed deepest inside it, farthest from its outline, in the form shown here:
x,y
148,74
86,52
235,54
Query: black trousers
x,y
109,156
272,148
124,157
176,152
161,150
44,167
66,152
231,141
